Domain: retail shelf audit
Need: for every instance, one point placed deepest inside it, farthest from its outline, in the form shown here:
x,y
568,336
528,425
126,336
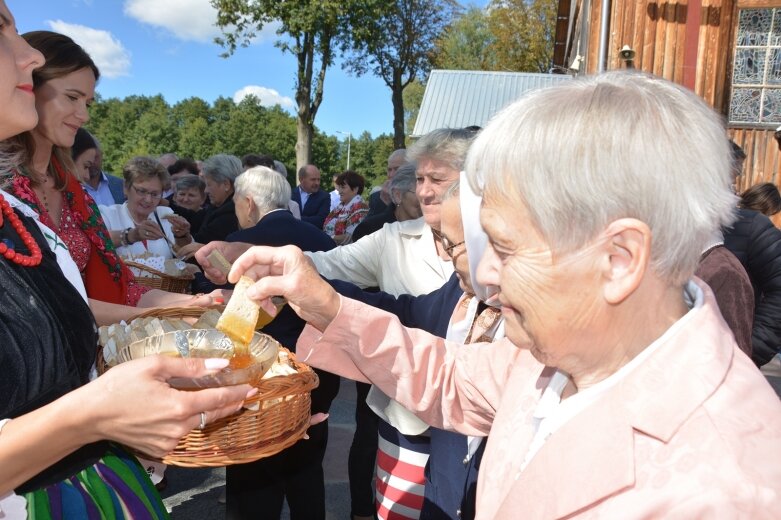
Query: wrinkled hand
x,y
230,250
286,271
138,408
188,251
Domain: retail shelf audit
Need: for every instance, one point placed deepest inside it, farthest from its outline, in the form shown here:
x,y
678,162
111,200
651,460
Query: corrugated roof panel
x,y
459,98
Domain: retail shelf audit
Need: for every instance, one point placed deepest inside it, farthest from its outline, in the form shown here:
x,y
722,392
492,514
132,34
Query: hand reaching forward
x,y
133,404
286,271
230,250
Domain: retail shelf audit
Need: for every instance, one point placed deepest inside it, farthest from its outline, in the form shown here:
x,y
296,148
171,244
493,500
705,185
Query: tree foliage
x,y
309,29
510,35
524,32
141,125
394,40
466,44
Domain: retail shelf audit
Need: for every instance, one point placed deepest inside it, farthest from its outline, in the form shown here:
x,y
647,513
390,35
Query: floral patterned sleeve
x,y
135,291
357,214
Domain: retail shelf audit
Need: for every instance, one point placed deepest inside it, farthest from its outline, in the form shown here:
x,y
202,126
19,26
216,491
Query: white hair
x,y
622,144
267,188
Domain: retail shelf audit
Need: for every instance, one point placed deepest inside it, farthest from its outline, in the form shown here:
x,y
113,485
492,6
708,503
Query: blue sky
x,y
150,47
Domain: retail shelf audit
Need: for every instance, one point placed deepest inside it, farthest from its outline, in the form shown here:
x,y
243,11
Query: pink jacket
x,y
693,432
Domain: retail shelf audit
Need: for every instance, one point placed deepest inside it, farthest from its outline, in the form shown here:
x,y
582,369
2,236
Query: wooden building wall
x,y
660,31
690,42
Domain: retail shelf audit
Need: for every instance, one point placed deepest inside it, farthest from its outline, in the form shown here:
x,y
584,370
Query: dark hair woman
x,y
64,88
60,453
764,198
351,210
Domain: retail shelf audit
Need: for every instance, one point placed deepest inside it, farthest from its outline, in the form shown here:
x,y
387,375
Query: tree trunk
x,y
398,111
303,143
304,121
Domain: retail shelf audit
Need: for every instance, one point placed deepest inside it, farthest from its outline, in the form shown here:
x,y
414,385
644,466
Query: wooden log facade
x,y
691,42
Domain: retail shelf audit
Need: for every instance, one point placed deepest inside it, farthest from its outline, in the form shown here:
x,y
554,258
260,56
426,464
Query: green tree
x,y
126,127
154,132
309,29
143,125
190,109
279,137
467,43
325,154
394,43
195,139
192,116
524,33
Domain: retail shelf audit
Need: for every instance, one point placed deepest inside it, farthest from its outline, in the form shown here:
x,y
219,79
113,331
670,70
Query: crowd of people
x,y
533,330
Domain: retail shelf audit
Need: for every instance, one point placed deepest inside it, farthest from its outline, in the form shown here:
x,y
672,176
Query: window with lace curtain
x,y
756,71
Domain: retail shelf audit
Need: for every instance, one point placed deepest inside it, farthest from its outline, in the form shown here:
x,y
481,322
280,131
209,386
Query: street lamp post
x,y
349,139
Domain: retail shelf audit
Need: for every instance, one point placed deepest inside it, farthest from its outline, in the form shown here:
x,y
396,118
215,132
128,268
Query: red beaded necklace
x,y
8,251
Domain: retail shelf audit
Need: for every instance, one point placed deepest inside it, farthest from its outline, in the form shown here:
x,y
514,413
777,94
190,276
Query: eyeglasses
x,y
141,192
449,246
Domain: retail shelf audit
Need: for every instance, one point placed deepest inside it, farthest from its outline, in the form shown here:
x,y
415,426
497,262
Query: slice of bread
x,y
241,314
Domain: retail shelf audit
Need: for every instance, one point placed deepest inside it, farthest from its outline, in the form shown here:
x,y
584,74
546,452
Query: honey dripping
x,y
241,356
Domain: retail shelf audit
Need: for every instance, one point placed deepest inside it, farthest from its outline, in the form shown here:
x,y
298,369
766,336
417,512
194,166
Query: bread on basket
x,y
274,419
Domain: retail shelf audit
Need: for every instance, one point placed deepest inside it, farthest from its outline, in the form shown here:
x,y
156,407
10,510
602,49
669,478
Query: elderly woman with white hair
x,y
621,392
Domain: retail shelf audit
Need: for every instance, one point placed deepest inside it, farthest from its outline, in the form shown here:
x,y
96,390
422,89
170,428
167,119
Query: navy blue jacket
x,y
117,188
450,482
281,228
318,206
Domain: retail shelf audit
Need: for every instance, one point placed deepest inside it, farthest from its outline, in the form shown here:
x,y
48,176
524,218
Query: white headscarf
x,y
475,237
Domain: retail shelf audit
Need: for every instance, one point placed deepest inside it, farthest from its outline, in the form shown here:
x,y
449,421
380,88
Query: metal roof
x,y
461,98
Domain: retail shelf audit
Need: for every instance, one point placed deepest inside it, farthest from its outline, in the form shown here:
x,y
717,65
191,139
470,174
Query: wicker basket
x,y
282,417
280,421
160,280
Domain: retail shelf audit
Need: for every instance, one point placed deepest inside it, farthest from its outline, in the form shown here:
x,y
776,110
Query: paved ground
x,y
192,493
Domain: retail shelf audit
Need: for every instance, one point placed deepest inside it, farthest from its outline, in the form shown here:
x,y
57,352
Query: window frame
x,y
741,5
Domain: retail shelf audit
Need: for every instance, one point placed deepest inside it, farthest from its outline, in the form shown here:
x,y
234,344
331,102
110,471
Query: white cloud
x,y
268,96
188,20
108,53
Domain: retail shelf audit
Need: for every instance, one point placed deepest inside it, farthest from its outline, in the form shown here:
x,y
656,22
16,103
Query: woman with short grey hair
x,y
190,192
221,168
448,145
219,172
405,258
